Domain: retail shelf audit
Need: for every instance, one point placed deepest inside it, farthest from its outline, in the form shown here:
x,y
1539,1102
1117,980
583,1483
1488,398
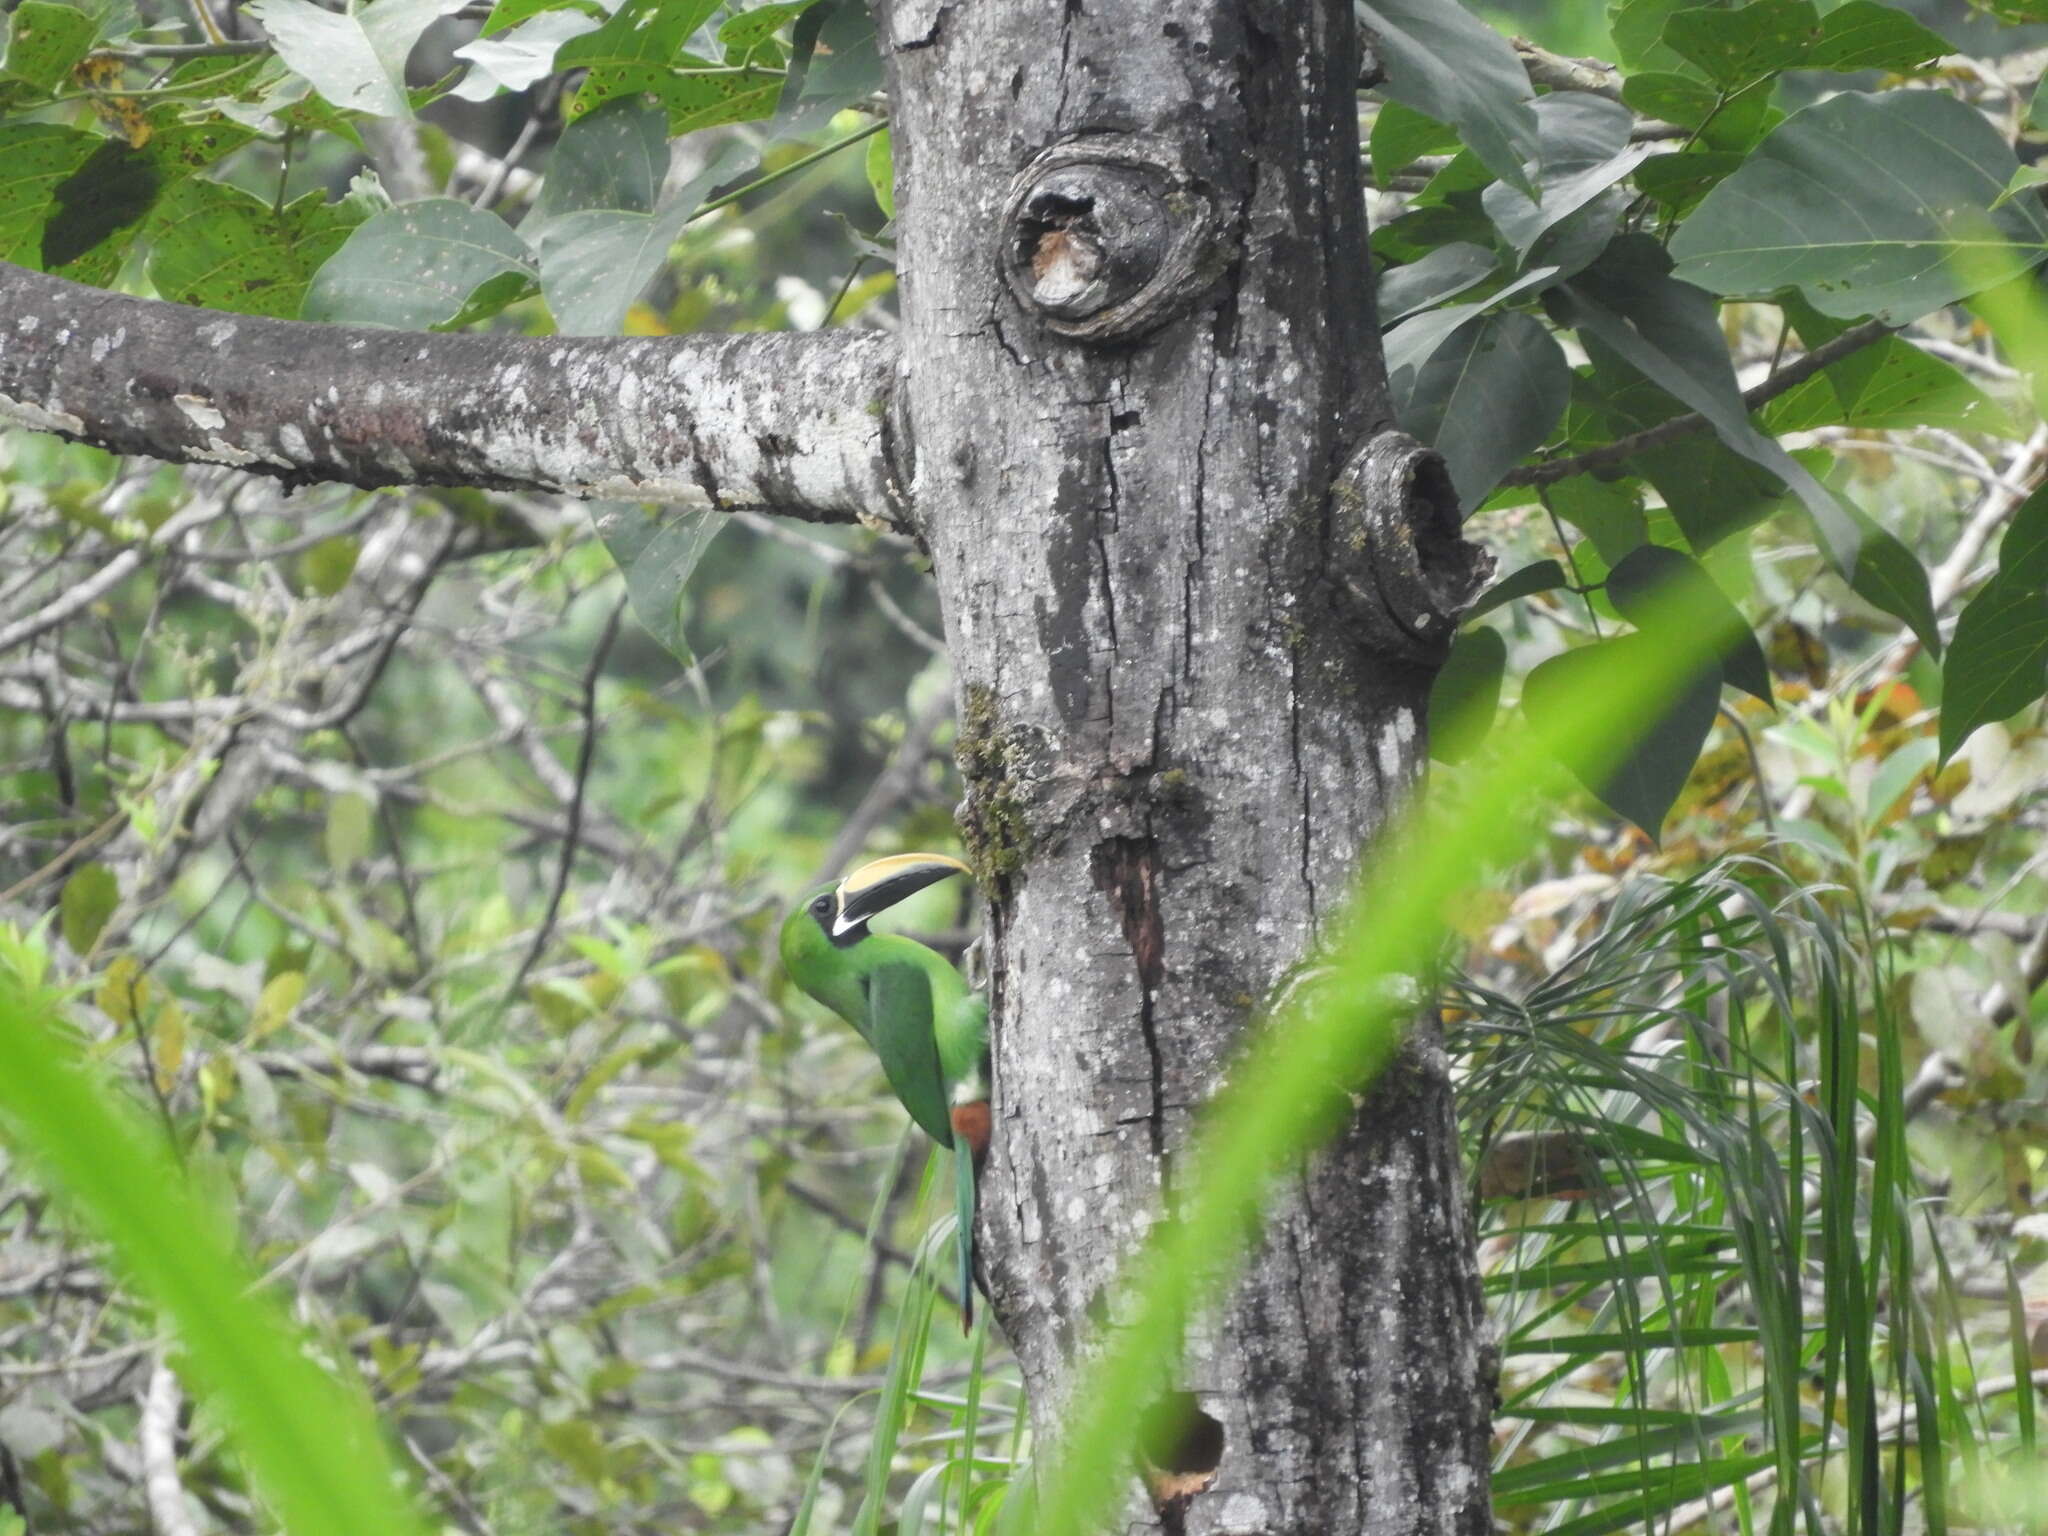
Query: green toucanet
x,y
915,1009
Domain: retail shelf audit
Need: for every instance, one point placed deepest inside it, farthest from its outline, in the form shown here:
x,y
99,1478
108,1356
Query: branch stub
x,y
1407,575
1106,238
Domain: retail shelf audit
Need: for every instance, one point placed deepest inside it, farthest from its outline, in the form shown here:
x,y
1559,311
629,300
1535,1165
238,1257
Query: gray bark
x,y
787,423
1192,681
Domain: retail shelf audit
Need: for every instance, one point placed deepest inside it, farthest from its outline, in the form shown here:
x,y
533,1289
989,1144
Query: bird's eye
x,y
822,905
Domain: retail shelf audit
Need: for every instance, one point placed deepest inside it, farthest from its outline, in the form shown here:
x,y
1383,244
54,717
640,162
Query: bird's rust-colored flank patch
x,y
971,1125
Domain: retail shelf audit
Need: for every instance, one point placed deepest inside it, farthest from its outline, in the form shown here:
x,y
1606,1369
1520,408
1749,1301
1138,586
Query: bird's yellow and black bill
x,y
876,887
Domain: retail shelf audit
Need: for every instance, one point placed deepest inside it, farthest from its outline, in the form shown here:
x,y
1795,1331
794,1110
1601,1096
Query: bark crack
x,y
1126,869
1308,878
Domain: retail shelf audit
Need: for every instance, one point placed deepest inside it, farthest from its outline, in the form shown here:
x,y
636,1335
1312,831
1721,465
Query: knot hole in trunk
x,y
1403,571
1107,237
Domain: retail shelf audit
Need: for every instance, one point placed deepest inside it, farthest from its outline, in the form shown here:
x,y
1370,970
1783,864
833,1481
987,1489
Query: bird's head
x,y
837,915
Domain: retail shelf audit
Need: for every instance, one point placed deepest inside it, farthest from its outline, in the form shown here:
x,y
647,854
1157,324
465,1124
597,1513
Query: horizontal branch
x,y
1789,377
789,423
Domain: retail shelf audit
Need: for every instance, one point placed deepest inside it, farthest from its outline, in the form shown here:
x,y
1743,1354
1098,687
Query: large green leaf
x,y
640,51
1584,151
1437,275
307,1437
355,59
1489,395
616,157
1669,332
521,58
1466,694
596,259
35,158
1401,135
1662,748
1866,35
45,41
1542,576
96,210
1889,384
1637,27
744,33
1739,47
695,98
1997,662
1447,64
1655,588
434,263
221,247
657,550
1415,340
1877,205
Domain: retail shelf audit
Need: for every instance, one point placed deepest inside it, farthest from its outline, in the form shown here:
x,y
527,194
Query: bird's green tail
x,y
963,1200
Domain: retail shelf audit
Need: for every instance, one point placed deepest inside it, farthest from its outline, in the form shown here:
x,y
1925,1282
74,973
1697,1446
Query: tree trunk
x,y
1140,356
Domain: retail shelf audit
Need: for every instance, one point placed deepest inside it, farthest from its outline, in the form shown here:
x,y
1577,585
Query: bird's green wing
x,y
900,1029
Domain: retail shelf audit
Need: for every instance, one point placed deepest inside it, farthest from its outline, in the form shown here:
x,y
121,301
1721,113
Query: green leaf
x,y
1401,136
89,899
507,14
98,209
220,247
1466,694
643,39
1889,384
1414,341
1740,47
418,266
594,262
833,61
1542,576
308,1439
1655,588
1637,27
881,169
1583,151
1680,181
356,60
1711,490
1609,512
45,41
2025,179
1489,395
748,30
522,58
1869,205
2023,553
1669,332
1682,99
657,550
35,158
1447,64
616,157
1430,279
1887,575
1661,752
1866,35
1997,662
